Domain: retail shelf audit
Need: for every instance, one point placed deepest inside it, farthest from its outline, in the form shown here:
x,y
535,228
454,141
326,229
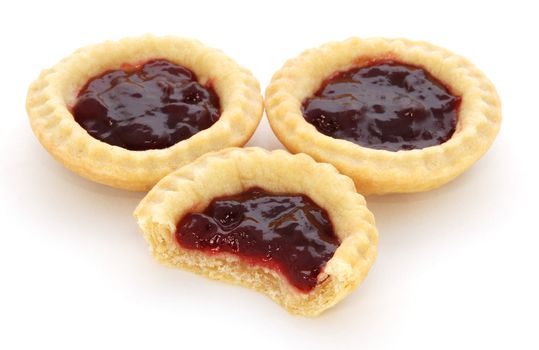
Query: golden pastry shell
x,y
234,170
380,171
51,95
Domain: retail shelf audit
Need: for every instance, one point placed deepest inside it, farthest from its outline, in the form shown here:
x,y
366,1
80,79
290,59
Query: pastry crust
x,y
379,171
230,171
50,97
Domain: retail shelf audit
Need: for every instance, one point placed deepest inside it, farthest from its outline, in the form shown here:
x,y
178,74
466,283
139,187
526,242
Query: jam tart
x,y
127,113
260,219
394,115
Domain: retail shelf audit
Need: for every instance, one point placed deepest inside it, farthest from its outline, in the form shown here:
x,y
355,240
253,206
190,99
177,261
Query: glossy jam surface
x,y
150,106
288,233
385,105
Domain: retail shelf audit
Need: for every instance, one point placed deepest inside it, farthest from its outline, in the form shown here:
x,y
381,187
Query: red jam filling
x,y
385,105
285,232
150,106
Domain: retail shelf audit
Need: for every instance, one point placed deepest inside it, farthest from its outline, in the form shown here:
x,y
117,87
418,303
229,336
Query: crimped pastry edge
x,y
50,96
234,170
379,171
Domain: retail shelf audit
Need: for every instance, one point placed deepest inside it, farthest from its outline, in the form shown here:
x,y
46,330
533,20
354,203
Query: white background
x,y
457,268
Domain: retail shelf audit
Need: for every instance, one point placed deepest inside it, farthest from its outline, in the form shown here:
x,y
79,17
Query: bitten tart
x,y
395,115
262,220
127,113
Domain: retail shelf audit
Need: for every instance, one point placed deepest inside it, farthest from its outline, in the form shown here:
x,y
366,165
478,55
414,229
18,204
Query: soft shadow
x,y
68,200
264,137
